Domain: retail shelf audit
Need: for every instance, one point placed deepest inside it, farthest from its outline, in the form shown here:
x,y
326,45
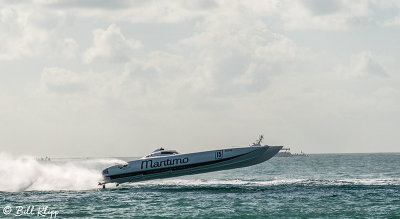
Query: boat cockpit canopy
x,y
162,152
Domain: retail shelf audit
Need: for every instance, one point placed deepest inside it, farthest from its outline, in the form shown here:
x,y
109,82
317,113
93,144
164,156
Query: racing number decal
x,y
219,154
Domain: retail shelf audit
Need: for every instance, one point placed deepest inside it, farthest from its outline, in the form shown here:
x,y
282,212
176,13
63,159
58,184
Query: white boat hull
x,y
188,164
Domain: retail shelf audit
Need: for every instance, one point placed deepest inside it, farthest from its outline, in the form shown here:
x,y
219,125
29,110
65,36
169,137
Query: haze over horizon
x,y
121,78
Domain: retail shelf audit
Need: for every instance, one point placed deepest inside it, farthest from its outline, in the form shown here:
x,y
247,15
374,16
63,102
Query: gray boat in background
x,y
285,152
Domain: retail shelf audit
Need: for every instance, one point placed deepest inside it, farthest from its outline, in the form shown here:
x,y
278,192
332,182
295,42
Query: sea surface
x,y
316,186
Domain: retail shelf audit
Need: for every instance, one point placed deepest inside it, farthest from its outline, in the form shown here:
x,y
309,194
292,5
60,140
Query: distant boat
x,y
46,158
163,163
285,152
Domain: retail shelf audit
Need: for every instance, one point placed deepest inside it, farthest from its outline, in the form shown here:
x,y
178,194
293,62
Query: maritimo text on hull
x,y
163,163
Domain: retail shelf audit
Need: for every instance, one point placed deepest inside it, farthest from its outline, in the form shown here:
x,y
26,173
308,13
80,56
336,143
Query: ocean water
x,y
316,186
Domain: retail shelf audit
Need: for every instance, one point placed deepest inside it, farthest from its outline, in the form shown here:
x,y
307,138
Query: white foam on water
x,y
24,173
377,181
274,182
199,182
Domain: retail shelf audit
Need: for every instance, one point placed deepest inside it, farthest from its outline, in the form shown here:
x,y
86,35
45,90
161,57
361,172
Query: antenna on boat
x,y
258,141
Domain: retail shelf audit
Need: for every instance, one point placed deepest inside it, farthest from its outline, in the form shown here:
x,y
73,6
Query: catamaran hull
x,y
188,164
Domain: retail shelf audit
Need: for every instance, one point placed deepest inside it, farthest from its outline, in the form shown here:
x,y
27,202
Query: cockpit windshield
x,y
162,152
169,152
159,149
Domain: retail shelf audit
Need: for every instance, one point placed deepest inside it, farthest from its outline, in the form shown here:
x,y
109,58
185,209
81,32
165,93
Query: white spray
x,y
24,173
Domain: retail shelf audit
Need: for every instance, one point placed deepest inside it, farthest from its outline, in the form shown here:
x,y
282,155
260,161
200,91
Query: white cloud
x,y
239,54
70,48
62,81
314,15
395,21
336,14
33,32
304,14
111,45
232,68
10,29
363,64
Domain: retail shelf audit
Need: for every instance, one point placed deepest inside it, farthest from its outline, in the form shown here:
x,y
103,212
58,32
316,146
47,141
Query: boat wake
x,y
275,182
25,173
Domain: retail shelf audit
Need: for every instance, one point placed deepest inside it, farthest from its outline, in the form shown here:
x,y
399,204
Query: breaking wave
x,y
25,173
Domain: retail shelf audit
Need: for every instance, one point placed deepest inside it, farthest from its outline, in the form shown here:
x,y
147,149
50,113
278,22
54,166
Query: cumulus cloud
x,y
9,28
62,81
221,59
395,21
364,64
304,14
337,14
111,45
29,33
239,55
243,67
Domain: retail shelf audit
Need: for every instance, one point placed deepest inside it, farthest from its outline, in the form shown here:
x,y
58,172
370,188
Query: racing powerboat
x,y
163,163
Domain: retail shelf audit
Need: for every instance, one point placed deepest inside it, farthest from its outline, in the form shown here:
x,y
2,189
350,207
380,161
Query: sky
x,y
121,78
